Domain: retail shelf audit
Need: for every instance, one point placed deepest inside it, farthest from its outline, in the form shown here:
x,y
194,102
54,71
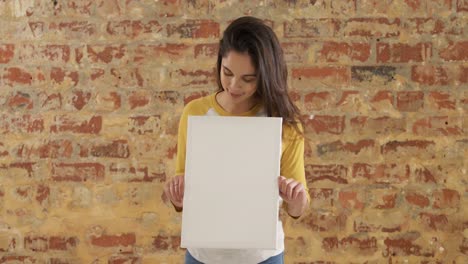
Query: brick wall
x,y
91,92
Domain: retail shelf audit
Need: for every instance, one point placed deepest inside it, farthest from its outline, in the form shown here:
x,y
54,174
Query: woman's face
x,y
238,77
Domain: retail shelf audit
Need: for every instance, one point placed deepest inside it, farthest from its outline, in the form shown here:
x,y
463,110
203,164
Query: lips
x,y
235,95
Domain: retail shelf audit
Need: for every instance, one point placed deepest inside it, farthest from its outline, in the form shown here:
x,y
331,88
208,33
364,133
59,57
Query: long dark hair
x,y
252,35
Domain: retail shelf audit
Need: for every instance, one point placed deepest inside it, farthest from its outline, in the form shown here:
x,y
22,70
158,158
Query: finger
x,y
174,191
290,189
182,189
284,187
297,191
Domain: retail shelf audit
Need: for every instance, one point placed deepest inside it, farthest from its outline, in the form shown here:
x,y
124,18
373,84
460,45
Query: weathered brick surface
x,y
91,93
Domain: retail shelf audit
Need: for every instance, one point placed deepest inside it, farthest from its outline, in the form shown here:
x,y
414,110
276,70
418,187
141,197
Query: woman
x,y
252,81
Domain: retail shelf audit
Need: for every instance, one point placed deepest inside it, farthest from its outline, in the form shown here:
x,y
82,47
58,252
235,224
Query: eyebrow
x,y
245,75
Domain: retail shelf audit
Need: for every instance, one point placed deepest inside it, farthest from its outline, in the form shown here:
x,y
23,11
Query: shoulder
x,y
198,106
293,133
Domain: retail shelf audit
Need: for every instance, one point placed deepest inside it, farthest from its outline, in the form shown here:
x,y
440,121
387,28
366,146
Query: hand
x,y
294,194
174,190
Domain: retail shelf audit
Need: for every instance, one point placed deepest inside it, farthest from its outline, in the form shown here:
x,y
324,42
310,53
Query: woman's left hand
x,y
294,194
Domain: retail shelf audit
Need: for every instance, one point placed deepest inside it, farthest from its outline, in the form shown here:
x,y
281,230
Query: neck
x,y
232,107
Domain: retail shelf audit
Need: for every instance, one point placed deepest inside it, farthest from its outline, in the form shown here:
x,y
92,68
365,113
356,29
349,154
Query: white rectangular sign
x,y
231,182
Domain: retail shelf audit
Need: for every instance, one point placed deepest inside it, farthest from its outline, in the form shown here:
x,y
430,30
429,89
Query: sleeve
x,y
181,142
292,158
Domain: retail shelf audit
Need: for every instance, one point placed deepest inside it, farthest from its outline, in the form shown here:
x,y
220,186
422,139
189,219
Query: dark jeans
x,y
278,259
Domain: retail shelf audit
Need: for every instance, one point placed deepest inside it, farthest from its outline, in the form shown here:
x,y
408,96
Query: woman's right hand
x,y
174,190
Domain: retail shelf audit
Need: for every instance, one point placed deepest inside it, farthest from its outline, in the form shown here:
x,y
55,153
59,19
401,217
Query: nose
x,y
235,84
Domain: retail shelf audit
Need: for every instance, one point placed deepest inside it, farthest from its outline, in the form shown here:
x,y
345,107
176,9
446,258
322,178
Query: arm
x,y
292,185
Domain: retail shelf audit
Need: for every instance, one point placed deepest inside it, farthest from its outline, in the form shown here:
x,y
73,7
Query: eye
x,y
227,73
249,80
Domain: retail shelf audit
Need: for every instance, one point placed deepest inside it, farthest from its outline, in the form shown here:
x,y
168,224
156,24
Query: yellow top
x,y
292,154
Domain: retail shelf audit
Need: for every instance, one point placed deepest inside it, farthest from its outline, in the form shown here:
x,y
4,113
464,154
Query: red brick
x,y
20,101
200,28
62,243
434,221
463,74
195,95
80,99
74,125
50,101
59,75
429,75
424,175
373,75
111,99
446,198
326,124
73,29
384,199
126,239
77,172
323,221
383,95
361,225
16,76
42,193
63,261
338,74
311,28
106,54
334,173
21,123
372,27
44,54
321,197
395,145
3,151
145,124
135,174
351,200
83,7
165,243
428,25
295,52
194,77
7,52
114,149
403,245
365,246
319,100
206,50
462,6
410,101
381,125
133,28
342,51
59,148
464,245
13,259
124,260
138,99
455,52
403,53
28,166
348,147
168,51
37,244
382,173
442,100
437,126
417,199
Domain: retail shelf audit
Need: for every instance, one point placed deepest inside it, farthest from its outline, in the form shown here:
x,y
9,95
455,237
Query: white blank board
x,y
231,182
